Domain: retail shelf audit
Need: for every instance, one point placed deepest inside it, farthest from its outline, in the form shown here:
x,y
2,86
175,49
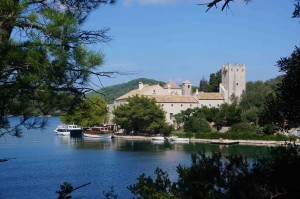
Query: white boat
x,y
105,136
64,129
98,132
158,138
176,139
170,138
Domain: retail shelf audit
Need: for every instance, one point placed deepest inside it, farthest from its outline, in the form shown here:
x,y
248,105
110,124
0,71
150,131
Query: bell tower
x,y
186,88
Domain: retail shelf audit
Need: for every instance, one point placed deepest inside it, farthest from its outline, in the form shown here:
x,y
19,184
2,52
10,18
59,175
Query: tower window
x,y
171,116
189,86
181,105
237,83
171,104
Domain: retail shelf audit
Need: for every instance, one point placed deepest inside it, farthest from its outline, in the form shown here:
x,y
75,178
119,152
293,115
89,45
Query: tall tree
x,y
141,115
44,62
288,90
214,81
203,85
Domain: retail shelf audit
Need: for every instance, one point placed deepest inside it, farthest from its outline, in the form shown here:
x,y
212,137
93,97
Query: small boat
x,y
170,138
158,138
98,132
68,129
177,139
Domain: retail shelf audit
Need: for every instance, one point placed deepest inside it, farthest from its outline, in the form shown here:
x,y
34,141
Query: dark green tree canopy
x,y
141,115
90,112
44,62
288,90
213,84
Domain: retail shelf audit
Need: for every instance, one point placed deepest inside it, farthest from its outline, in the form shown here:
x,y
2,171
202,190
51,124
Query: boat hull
x,y
174,139
94,135
158,138
62,132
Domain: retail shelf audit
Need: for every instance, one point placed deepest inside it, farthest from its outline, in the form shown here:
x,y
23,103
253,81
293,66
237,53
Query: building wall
x,y
172,109
210,103
154,90
233,80
174,91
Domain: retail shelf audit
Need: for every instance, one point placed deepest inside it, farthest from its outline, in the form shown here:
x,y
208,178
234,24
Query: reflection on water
x,y
45,160
157,146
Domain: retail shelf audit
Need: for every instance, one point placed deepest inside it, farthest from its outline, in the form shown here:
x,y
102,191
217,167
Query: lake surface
x,y
43,161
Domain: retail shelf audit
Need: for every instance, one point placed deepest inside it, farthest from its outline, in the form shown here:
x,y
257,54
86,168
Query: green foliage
x,y
288,90
252,101
90,112
196,123
110,93
167,129
269,129
213,84
110,194
245,136
141,115
147,188
250,115
244,127
203,85
183,134
65,190
229,114
48,69
228,176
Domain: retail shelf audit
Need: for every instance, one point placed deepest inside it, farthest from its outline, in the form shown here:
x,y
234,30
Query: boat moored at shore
x,y
177,139
68,129
98,132
158,138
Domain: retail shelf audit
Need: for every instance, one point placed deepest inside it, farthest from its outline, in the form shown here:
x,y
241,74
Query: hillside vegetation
x,y
110,93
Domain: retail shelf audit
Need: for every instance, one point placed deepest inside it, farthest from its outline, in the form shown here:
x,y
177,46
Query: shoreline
x,y
241,142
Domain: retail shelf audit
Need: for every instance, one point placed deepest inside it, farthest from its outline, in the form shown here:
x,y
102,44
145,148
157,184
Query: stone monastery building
x,y
174,99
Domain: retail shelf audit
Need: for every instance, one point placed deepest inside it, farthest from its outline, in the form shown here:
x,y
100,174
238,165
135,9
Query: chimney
x,y
141,86
197,91
169,89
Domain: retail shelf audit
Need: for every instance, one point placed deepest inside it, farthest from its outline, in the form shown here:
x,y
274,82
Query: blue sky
x,y
177,40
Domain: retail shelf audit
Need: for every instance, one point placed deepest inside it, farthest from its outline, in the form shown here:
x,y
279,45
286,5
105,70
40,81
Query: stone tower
x,y
233,81
186,88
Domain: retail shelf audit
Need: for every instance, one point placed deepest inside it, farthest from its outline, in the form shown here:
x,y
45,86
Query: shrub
x,y
269,129
167,129
243,127
197,124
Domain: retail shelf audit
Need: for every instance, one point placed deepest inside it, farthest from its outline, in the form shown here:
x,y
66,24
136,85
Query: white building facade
x,y
174,99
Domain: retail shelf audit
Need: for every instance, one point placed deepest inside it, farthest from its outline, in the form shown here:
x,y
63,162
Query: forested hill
x,y
110,93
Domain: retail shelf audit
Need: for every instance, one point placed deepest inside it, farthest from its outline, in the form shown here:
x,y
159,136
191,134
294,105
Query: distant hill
x,y
110,93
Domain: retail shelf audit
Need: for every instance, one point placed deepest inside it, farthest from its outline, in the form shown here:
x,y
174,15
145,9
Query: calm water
x,y
44,161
